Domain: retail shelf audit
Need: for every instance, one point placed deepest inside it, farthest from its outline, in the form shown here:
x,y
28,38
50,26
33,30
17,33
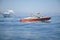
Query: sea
x,y
12,29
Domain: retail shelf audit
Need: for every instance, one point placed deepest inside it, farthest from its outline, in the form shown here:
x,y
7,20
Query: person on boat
x,y
38,15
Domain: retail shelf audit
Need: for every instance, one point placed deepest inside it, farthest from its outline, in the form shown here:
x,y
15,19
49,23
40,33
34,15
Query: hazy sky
x,y
31,5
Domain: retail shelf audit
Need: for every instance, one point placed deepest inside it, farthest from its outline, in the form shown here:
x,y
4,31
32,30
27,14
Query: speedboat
x,y
7,13
32,19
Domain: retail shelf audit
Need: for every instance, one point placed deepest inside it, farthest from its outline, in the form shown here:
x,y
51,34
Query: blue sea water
x,y
13,29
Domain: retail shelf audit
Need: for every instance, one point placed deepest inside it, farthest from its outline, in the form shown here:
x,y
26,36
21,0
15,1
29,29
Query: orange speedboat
x,y
32,19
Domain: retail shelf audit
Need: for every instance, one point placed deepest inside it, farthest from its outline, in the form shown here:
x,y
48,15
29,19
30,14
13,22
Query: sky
x,y
31,6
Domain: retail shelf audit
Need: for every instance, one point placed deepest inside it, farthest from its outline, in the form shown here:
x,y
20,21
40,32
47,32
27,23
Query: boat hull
x,y
36,19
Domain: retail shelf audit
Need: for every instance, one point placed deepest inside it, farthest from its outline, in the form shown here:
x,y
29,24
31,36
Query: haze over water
x,y
12,29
